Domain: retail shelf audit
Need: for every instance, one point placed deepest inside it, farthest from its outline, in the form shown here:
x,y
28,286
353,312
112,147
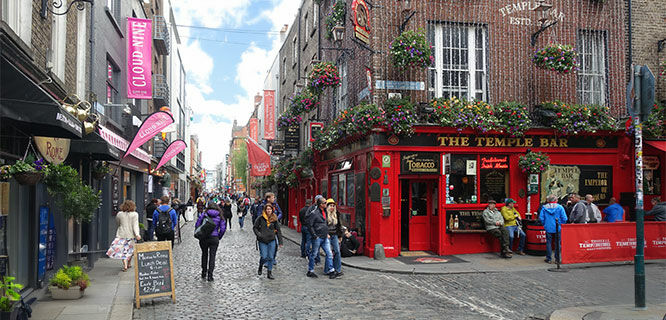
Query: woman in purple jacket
x,y
209,245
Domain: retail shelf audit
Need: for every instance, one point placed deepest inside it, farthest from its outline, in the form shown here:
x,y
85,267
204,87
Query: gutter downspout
x,y
631,58
94,226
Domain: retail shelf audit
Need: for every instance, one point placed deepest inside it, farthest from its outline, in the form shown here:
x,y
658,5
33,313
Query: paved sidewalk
x,y
109,296
475,263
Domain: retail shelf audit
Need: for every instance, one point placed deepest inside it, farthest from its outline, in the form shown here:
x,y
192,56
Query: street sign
x,y
647,92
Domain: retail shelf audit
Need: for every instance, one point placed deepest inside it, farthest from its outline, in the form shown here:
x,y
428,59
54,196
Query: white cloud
x,y
215,135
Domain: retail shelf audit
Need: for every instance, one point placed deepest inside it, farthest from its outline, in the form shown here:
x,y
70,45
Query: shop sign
x,y
419,163
499,141
650,163
54,150
518,10
277,148
533,184
361,19
292,137
315,127
386,161
495,162
139,58
400,85
562,180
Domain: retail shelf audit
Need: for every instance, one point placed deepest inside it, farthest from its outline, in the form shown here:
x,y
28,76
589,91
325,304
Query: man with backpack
x,y
165,219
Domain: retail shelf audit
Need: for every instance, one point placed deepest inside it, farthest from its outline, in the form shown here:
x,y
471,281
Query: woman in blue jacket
x,y
209,245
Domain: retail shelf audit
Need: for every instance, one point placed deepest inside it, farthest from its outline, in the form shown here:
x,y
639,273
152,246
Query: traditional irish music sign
x,y
153,274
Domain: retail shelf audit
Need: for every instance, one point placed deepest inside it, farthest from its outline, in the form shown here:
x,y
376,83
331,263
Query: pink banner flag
x,y
259,159
171,151
139,55
269,114
254,133
149,128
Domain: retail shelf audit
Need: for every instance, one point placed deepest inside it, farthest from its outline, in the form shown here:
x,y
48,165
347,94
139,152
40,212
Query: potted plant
x,y
9,296
411,49
69,283
100,170
74,198
28,171
534,162
556,57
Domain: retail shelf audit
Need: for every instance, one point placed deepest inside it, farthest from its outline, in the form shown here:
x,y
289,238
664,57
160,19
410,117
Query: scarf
x,y
269,219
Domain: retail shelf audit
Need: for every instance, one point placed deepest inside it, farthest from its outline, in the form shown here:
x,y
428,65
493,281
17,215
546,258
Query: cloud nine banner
x,y
149,128
171,151
139,55
269,114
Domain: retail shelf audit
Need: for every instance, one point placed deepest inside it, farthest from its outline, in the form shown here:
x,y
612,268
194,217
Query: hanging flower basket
x,y
534,162
28,178
557,57
323,75
411,49
303,102
287,121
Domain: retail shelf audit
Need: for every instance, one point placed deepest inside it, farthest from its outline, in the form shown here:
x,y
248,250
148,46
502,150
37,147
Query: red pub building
x,y
427,191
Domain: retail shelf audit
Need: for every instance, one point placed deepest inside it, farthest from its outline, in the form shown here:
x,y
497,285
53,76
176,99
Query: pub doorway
x,y
418,206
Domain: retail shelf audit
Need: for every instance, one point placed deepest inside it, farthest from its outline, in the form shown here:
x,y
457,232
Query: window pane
x,y
494,174
479,59
462,187
350,189
334,186
479,38
419,199
341,189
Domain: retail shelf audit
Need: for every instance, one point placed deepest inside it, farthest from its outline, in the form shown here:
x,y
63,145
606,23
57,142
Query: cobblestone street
x,y
238,293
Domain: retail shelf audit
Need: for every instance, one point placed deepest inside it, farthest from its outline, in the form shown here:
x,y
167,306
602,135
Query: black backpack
x,y
163,222
206,228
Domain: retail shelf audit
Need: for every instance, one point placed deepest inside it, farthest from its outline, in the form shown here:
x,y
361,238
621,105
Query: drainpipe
x,y
93,226
631,58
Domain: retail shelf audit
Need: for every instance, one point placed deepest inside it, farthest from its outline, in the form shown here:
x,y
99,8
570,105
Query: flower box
x,y
73,293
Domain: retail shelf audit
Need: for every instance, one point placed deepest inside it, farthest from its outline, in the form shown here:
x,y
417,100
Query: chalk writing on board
x,y
154,272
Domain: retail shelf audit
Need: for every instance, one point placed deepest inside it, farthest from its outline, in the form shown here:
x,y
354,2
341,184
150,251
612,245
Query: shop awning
x,y
95,147
30,109
661,145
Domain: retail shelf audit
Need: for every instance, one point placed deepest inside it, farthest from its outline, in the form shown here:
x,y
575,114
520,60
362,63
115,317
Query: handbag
x,y
206,228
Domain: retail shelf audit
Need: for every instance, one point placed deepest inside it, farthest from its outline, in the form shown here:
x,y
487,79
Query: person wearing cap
x,y
512,224
316,222
495,226
334,233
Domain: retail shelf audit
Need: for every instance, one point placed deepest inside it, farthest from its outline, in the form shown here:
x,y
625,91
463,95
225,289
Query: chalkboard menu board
x,y
465,221
154,271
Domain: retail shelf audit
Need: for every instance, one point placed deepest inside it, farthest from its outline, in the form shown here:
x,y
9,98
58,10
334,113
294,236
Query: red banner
x,y
602,242
254,134
269,114
259,159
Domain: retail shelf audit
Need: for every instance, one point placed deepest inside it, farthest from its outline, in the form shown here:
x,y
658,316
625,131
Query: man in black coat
x,y
316,222
349,244
305,234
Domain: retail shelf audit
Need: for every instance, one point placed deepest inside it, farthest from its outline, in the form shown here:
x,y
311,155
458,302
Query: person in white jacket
x,y
122,246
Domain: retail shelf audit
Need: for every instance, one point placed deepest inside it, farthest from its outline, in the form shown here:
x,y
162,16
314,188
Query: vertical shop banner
x,y
149,128
269,114
603,242
44,213
254,132
139,58
259,159
171,151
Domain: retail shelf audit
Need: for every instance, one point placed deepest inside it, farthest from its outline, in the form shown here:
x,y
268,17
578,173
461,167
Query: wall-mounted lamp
x,y
406,5
661,44
406,8
543,10
338,33
57,4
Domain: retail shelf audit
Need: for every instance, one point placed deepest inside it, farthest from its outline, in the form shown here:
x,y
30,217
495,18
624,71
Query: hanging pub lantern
x,y
338,33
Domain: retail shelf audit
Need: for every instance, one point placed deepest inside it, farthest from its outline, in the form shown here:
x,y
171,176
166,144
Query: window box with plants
x,y
69,283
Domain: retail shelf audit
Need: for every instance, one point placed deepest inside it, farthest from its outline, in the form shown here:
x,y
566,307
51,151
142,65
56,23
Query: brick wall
x,y
648,27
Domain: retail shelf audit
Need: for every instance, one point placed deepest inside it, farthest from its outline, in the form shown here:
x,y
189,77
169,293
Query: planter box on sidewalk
x,y
72,293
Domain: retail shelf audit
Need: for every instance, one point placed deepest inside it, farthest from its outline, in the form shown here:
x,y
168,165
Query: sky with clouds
x,y
227,47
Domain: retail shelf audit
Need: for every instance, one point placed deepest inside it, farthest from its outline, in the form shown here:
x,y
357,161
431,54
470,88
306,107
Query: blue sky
x,y
224,75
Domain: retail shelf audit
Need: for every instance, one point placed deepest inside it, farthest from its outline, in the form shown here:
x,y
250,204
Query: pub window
x,y
341,90
462,186
461,68
342,195
494,176
592,79
334,187
350,189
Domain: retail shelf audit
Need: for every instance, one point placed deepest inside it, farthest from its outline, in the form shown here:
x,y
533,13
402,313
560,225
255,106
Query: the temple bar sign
x,y
527,142
522,13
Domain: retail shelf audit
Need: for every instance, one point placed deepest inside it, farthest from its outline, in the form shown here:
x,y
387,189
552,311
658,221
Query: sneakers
x,y
333,275
520,253
311,274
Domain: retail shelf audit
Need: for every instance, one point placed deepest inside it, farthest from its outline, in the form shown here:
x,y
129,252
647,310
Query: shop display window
x,y
477,178
350,190
342,188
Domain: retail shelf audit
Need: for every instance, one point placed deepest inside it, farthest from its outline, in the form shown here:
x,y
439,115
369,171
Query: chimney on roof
x,y
283,32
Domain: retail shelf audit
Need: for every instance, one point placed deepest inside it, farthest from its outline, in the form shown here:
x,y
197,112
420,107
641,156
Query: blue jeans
x,y
325,244
306,244
241,220
267,252
549,249
512,233
335,247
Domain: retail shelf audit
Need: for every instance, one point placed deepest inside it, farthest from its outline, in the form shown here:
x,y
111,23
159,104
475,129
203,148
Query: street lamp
x,y
338,33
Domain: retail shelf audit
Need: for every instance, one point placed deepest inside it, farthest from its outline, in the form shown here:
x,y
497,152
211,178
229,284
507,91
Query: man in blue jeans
x,y
551,215
316,222
305,233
